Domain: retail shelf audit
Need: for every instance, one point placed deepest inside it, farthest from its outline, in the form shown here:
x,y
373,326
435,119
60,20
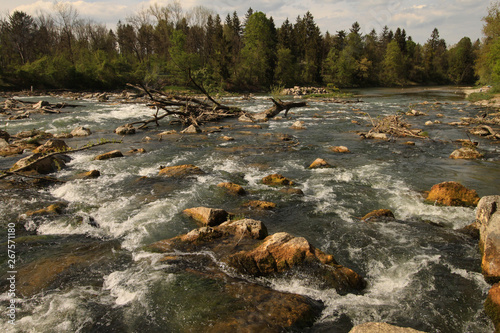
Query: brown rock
x,y
291,191
89,174
319,163
54,209
207,216
125,130
109,155
181,171
381,328
41,164
232,188
452,194
492,306
378,215
81,131
488,218
298,125
340,149
52,145
258,204
466,153
276,180
191,129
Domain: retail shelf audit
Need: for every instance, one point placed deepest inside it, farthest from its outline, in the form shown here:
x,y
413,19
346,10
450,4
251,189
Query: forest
x,y
166,45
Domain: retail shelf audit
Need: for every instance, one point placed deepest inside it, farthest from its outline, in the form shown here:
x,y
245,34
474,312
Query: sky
x,y
453,18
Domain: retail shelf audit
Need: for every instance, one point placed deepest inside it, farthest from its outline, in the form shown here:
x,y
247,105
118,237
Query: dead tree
x,y
279,106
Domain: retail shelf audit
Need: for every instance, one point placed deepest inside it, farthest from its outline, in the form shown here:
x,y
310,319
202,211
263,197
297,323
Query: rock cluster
x,y
300,91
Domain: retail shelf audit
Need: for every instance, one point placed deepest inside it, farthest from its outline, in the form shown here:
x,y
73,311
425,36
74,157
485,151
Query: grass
x,y
484,96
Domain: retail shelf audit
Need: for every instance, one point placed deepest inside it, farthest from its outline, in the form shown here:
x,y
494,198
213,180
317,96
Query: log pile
x,y
394,126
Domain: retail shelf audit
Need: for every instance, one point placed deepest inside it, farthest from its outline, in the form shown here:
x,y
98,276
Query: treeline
x,y
165,45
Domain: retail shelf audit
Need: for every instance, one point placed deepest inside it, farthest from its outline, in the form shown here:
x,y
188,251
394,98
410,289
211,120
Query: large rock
x,y
207,216
109,155
381,328
379,214
52,145
488,218
41,164
244,246
191,129
452,194
319,163
181,171
466,153
492,306
232,188
125,130
81,131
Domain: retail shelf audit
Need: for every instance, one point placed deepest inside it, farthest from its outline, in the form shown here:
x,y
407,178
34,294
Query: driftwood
x,y
394,126
195,111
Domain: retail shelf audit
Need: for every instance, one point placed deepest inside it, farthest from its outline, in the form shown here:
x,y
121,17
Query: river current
x,y
422,272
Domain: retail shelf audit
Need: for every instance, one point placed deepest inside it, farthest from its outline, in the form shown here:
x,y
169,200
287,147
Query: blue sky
x,y
453,18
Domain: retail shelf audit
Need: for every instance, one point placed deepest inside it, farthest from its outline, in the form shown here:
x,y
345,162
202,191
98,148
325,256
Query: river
x,y
422,272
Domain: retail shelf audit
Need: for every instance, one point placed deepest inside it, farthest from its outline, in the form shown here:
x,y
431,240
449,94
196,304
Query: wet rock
x,y
207,216
466,153
245,119
192,129
41,104
136,151
377,215
340,149
245,246
3,143
109,155
409,143
81,131
492,306
181,171
259,204
472,230
52,145
378,136
92,174
125,130
54,209
277,180
488,218
429,123
452,194
34,134
167,133
227,138
4,135
319,163
64,135
42,164
381,328
232,188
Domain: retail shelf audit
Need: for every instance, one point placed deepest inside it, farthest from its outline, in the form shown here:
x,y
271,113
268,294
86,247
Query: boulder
x,y
52,145
232,188
125,130
109,155
54,209
207,216
181,171
340,149
42,164
466,153
319,163
381,328
245,246
276,180
259,204
377,215
488,218
81,131
192,129
492,306
452,194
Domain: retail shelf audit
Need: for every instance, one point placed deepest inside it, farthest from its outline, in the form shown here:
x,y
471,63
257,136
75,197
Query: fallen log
x,y
279,106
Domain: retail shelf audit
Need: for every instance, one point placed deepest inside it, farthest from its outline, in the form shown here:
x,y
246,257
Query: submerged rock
x,y
452,194
380,214
381,328
181,171
488,218
259,204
